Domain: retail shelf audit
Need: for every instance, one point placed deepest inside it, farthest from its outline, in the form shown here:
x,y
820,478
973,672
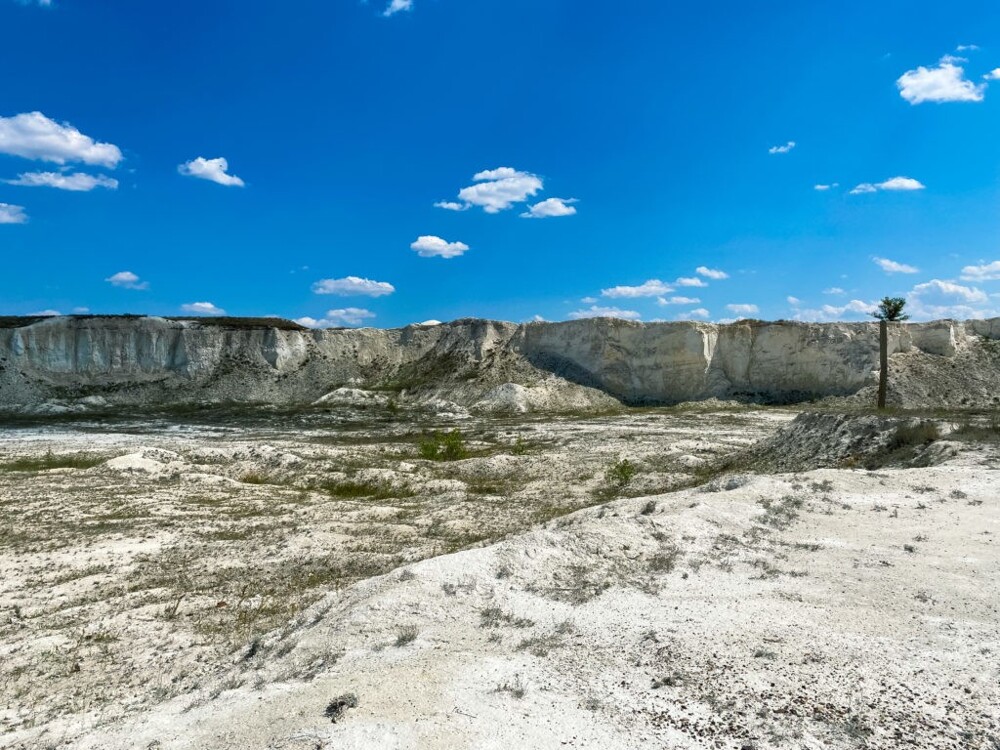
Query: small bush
x,y
516,689
447,446
922,433
621,473
406,636
336,708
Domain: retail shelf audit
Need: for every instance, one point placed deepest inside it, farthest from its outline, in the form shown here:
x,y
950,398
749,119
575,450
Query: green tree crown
x,y
891,309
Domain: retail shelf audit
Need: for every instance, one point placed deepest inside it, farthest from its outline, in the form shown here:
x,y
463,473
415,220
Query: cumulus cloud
x,y
983,272
711,273
697,313
896,184
429,246
77,181
11,214
793,301
830,313
939,298
743,309
824,187
690,281
127,280
345,316
496,190
32,135
596,311
678,301
45,313
353,286
452,205
782,149
202,308
993,75
651,288
213,170
550,207
396,6
891,266
944,83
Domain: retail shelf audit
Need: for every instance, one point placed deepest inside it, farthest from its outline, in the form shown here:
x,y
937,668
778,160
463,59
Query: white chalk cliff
x,y
149,360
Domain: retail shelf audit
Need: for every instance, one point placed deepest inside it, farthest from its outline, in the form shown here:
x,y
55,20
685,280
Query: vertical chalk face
x,y
183,361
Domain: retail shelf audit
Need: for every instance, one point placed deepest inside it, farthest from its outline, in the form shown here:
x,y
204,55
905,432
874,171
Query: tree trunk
x,y
883,369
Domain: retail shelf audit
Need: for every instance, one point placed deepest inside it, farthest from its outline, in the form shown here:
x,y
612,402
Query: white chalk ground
x,y
838,608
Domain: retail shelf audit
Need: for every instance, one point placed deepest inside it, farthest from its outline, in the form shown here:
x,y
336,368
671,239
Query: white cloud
x,y
345,316
452,206
892,184
11,214
967,48
32,135
793,301
743,309
550,207
595,311
782,149
939,298
690,281
698,312
202,308
983,272
77,181
830,313
127,280
823,187
214,170
350,286
993,75
891,266
678,301
81,310
429,246
944,83
651,288
45,313
396,6
712,273
538,319
835,289
588,300
496,190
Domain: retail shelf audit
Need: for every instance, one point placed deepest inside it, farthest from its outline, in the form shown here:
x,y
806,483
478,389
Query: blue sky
x,y
380,163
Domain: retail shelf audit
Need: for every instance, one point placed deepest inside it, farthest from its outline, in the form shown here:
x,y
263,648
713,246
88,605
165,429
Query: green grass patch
x,y
53,461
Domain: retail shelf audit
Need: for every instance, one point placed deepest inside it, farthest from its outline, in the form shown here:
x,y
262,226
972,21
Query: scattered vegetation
x,y
621,473
53,461
443,446
494,617
515,688
370,490
405,636
335,709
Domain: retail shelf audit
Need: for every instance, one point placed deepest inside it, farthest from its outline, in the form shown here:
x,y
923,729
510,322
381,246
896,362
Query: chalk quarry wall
x,y
155,360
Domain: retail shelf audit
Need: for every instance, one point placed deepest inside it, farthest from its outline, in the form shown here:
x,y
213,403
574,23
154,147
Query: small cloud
x,y
690,281
712,273
538,319
32,135
892,184
834,290
452,206
950,288
651,288
824,187
429,246
743,309
698,312
497,190
213,170
78,181
81,310
396,6
782,149
993,75
678,301
127,280
830,313
589,300
11,214
944,83
550,207
983,272
353,286
967,48
891,266
596,311
793,301
346,316
202,308
45,314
